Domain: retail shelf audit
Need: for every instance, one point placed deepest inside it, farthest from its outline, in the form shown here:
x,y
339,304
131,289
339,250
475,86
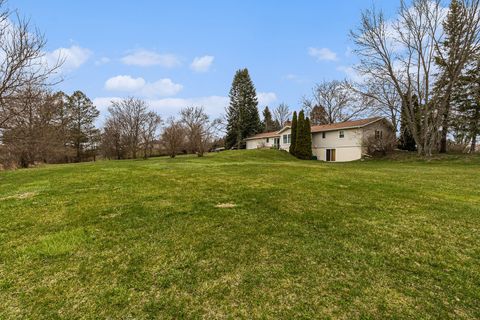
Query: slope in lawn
x,y
252,234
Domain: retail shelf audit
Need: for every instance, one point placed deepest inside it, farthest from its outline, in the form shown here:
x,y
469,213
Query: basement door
x,y
331,155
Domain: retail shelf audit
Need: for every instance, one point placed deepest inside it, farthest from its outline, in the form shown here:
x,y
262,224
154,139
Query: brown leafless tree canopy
x,y
22,60
403,52
133,125
173,137
383,98
338,99
200,129
282,114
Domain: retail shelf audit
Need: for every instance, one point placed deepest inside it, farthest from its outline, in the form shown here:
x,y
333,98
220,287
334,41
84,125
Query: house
x,y
344,141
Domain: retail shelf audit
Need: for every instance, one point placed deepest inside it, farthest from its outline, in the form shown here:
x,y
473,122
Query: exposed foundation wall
x,y
342,154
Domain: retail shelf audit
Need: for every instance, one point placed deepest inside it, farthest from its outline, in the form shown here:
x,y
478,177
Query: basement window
x,y
323,135
341,134
268,140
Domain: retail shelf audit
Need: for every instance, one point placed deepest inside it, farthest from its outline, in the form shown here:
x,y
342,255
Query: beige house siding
x,y
260,143
283,145
349,147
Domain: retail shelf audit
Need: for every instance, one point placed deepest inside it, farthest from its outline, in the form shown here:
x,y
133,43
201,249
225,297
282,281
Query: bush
x,y
379,146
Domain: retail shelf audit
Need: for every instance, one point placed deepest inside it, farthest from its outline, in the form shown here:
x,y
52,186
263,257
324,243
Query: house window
x,y
323,135
341,134
378,134
268,140
287,138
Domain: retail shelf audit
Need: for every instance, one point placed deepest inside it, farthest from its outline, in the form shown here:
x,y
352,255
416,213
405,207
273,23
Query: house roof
x,y
325,127
272,134
345,125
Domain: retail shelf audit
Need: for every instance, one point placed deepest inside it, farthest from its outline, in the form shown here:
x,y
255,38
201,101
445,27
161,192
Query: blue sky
x,y
179,53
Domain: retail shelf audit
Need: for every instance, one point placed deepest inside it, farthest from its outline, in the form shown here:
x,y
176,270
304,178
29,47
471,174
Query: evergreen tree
x,y
304,140
293,134
308,136
466,106
243,119
268,123
82,114
454,33
406,140
299,132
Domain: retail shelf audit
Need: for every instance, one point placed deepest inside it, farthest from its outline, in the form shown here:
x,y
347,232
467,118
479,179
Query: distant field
x,y
241,234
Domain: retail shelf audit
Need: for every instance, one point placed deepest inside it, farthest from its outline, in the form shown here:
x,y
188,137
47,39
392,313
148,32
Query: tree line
x,y
421,70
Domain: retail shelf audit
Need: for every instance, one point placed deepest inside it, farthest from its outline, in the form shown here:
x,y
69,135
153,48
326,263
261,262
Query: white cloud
x,y
202,64
72,57
145,58
124,83
163,87
351,74
348,52
291,76
322,54
102,61
295,78
266,98
166,107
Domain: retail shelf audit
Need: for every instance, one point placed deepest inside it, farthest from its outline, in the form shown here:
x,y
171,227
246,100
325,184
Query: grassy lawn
x,y
241,234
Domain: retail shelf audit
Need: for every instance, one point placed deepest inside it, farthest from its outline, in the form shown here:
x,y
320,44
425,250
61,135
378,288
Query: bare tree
x,y
149,132
338,99
404,52
378,143
282,114
384,99
35,134
318,115
200,130
22,60
111,140
129,115
173,137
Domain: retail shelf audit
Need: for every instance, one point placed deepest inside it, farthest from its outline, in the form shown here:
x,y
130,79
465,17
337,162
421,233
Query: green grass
x,y
241,234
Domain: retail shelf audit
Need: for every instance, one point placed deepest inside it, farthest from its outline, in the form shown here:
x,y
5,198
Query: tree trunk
x,y
473,146
78,152
443,139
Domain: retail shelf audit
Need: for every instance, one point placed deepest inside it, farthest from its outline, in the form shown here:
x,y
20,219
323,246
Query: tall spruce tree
x,y
466,106
454,34
268,123
81,127
293,133
243,119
